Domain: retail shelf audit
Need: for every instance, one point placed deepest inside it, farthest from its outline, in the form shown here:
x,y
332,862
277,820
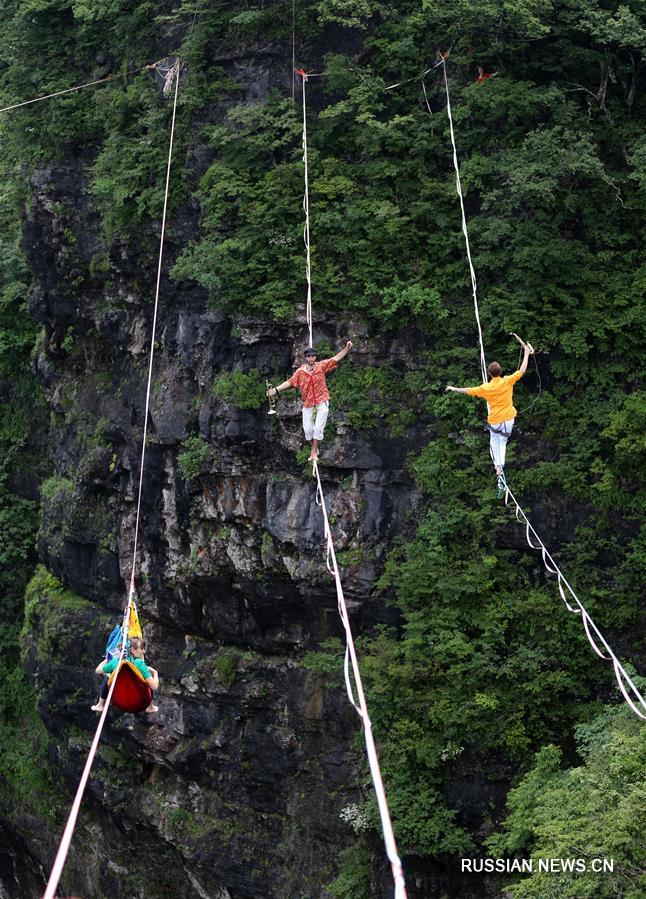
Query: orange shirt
x,y
313,386
498,392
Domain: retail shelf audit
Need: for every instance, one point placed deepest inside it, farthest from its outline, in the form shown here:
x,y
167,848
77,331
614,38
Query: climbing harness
x,y
628,689
499,430
350,660
68,833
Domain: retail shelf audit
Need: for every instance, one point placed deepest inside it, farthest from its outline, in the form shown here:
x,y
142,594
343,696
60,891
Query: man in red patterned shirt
x,y
310,379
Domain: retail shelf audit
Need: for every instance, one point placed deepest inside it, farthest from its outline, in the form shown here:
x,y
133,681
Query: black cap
x,y
310,351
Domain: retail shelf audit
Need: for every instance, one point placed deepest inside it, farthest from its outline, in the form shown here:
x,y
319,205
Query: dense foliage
x,y
23,737
19,401
588,812
486,664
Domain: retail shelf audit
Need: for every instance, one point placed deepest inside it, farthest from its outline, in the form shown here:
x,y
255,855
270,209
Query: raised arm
x,y
456,389
528,348
344,352
99,667
274,390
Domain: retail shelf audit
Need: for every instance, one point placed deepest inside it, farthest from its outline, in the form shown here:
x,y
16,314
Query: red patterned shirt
x,y
312,384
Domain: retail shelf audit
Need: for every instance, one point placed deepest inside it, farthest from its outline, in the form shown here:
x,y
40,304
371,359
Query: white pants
x,y
314,426
498,436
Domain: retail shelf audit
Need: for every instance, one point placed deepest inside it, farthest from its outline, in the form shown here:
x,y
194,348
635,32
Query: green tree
x,y
593,811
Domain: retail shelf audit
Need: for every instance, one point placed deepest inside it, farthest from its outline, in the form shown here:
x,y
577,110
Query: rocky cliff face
x,y
237,786
234,789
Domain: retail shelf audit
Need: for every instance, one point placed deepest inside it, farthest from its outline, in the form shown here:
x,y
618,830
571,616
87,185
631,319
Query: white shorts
x,y
314,419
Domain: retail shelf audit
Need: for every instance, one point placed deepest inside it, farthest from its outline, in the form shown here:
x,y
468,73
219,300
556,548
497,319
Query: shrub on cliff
x,y
246,390
195,454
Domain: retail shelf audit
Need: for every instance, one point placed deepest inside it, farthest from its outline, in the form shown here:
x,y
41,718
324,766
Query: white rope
x,y
428,105
78,87
359,702
68,833
66,839
458,187
595,638
540,382
436,65
306,209
592,632
293,49
152,337
350,659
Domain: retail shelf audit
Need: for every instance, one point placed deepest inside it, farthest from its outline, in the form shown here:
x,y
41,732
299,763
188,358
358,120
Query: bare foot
x,y
98,707
152,708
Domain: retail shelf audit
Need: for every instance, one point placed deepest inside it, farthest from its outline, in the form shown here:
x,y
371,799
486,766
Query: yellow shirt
x,y
498,393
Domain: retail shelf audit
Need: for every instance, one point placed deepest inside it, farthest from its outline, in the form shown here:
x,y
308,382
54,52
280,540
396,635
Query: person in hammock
x,y
498,392
310,379
136,656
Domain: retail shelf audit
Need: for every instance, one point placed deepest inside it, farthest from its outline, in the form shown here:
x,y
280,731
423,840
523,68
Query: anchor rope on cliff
x,y
306,207
350,660
628,689
63,849
79,87
359,703
465,231
306,210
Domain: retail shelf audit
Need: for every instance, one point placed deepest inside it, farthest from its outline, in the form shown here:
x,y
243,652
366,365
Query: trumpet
x,y
271,399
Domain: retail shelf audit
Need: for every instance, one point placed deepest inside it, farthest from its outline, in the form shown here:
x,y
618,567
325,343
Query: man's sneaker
x,y
501,486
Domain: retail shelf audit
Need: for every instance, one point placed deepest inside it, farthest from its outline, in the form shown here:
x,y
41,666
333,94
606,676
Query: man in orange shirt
x,y
310,379
498,392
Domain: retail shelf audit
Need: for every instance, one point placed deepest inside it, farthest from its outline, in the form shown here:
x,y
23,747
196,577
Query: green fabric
x,y
139,664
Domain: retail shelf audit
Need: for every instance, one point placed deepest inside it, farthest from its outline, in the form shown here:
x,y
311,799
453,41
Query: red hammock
x,y
131,692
